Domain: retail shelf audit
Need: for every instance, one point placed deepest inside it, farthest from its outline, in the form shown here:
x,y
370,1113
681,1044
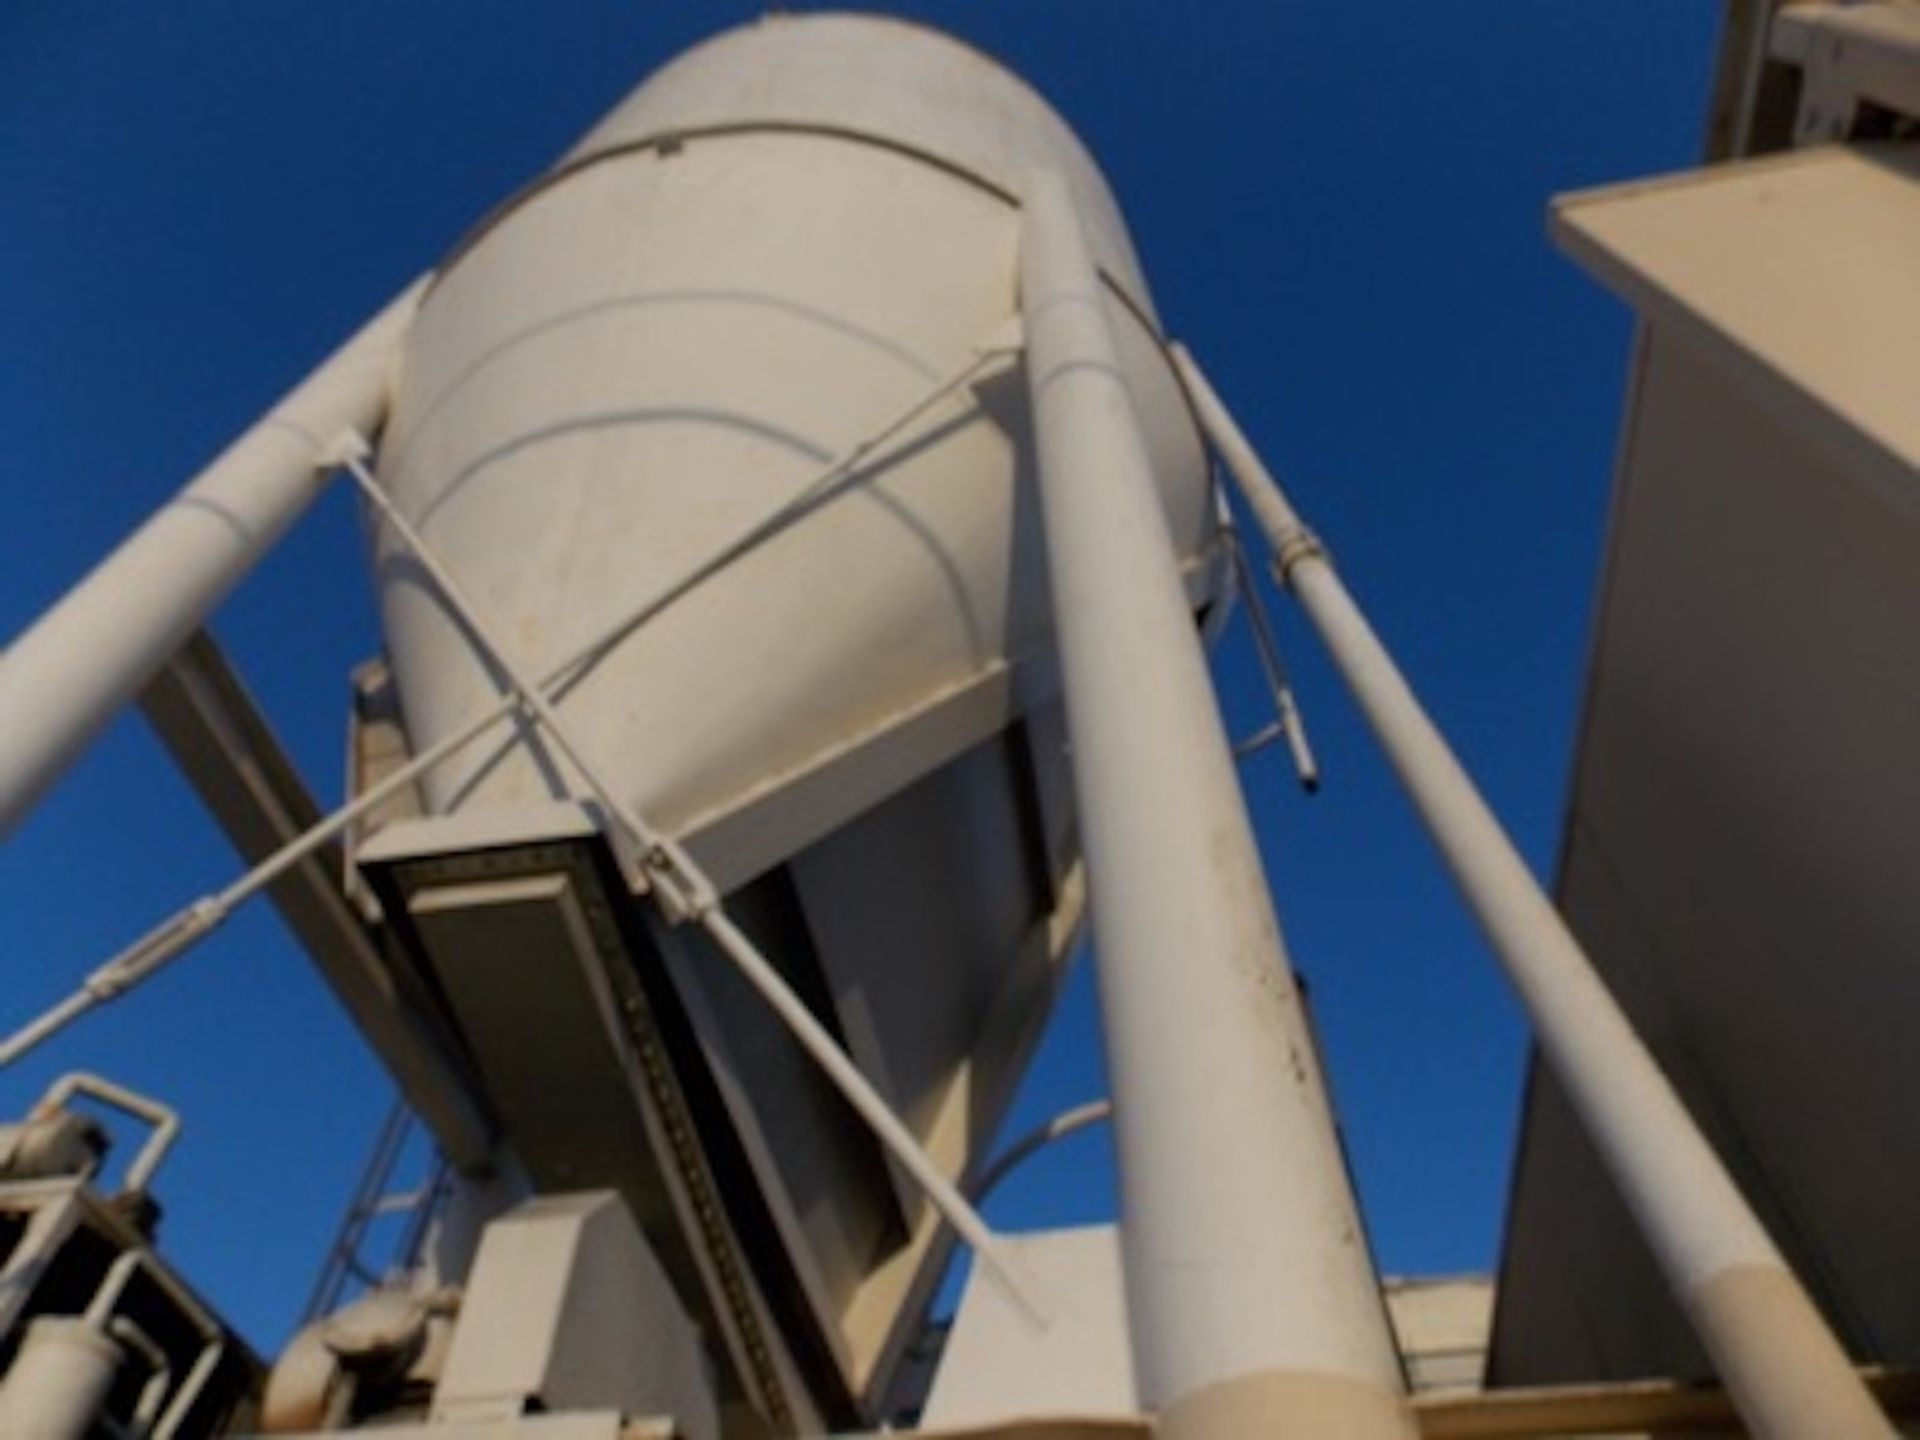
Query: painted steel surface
x,y
1250,1289
1738,848
891,82
650,356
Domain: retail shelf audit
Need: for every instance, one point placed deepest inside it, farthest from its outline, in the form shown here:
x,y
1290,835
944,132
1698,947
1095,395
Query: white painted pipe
x,y
1252,1301
69,673
1784,1369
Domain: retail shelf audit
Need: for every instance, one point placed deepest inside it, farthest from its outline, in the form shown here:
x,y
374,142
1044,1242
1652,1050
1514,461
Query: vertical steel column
x,y
1784,1369
74,668
1252,1301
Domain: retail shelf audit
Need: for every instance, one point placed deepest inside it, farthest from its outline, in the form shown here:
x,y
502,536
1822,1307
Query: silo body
x,y
777,247
773,247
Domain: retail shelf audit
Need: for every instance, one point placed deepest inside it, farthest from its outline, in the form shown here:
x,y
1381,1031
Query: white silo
x,y
775,246
778,247
801,467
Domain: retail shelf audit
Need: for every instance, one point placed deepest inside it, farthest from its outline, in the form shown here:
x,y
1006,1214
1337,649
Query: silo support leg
x,y
1253,1305
1786,1372
72,670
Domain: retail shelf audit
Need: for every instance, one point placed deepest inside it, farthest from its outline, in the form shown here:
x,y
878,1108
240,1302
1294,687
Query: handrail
x,y
164,1119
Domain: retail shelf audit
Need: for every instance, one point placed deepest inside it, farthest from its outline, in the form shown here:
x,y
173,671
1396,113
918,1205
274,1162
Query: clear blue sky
x,y
1339,208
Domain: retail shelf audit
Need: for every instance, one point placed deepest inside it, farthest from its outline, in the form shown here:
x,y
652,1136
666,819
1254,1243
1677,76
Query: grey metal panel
x,y
1739,857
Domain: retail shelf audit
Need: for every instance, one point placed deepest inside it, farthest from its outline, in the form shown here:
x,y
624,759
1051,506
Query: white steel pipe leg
x,y
1785,1371
87,657
1252,1300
